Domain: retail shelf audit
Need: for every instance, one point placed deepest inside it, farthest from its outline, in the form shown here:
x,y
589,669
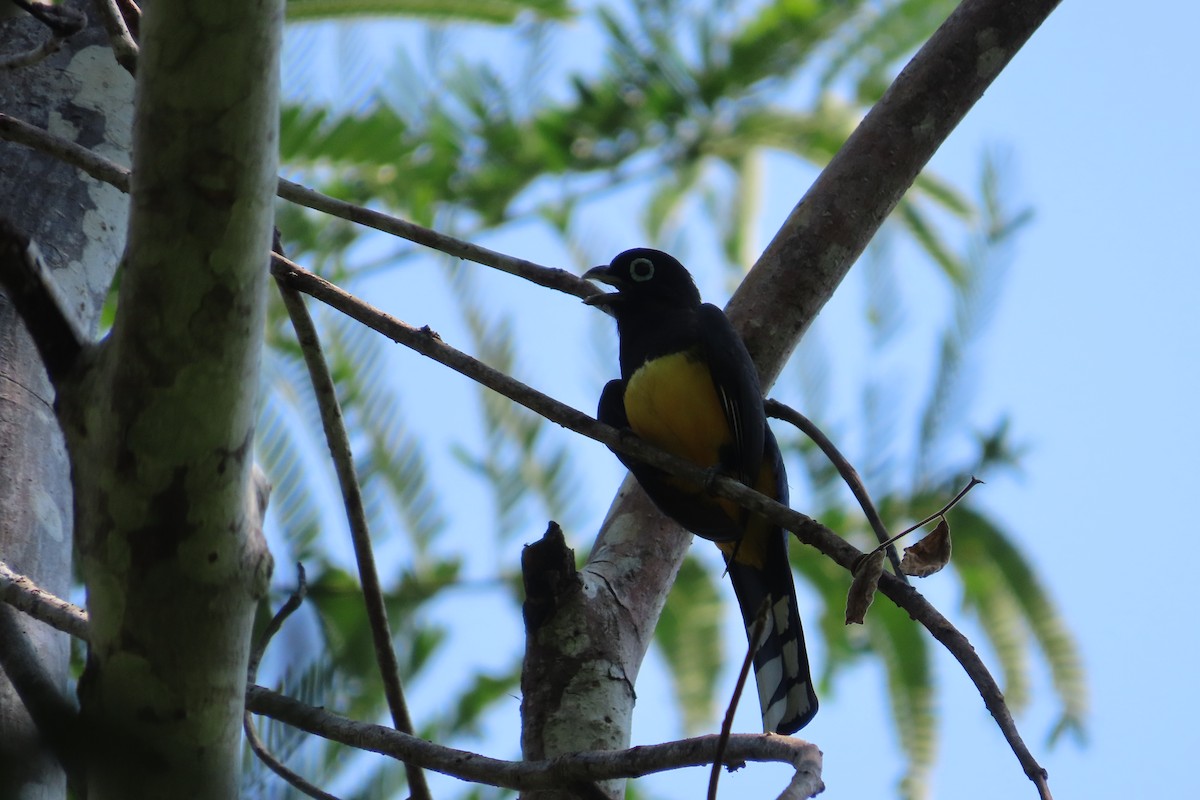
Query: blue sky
x,y
1093,352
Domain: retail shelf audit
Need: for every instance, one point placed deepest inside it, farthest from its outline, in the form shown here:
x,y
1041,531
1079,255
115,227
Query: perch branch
x,y
806,529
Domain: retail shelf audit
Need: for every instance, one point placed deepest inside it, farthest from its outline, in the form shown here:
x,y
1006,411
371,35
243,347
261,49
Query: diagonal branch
x,y
54,328
849,474
806,529
100,168
356,514
26,596
97,166
125,48
832,224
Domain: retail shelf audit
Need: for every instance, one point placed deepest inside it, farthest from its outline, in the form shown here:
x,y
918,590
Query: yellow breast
x,y
672,402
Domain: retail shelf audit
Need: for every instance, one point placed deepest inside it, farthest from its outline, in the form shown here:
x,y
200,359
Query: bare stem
x,y
356,515
760,622
845,469
256,743
935,515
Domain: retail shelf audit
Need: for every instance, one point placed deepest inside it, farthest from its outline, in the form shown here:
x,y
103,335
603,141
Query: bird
x,y
689,386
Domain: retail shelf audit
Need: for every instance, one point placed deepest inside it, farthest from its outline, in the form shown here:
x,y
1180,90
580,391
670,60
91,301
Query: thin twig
x,y
849,474
760,622
26,596
549,277
808,530
299,782
119,37
33,55
102,169
256,743
356,515
555,773
935,515
286,610
62,20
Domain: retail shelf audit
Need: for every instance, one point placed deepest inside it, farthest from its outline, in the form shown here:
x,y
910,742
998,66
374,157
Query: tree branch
x,y
26,596
55,330
806,529
849,474
97,166
549,277
549,774
160,424
125,49
63,21
832,224
33,55
356,515
15,130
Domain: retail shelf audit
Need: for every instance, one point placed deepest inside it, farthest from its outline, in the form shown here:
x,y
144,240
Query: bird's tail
x,y
762,579
785,689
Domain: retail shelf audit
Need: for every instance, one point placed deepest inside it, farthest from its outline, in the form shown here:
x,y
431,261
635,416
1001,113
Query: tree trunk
x,y
80,94
159,416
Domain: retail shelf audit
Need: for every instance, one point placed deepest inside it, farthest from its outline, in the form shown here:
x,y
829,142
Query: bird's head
x,y
643,277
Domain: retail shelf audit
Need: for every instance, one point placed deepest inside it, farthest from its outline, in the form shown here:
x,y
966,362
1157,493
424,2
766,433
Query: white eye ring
x,y
641,269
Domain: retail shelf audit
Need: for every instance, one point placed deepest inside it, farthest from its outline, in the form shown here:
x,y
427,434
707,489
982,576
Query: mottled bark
x,y
159,417
79,93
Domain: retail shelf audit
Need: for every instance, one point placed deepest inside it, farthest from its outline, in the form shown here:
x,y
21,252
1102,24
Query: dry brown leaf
x,y
862,588
928,555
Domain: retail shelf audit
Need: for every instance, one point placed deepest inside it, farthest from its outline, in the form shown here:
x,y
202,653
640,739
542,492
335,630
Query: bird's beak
x,y
601,275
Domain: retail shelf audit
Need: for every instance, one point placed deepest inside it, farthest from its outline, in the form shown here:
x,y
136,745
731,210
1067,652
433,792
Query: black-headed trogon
x,y
689,386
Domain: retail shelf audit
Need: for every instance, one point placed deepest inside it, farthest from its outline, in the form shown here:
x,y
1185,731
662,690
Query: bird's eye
x,y
641,269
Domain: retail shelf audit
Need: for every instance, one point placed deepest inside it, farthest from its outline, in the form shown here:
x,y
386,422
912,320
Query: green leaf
x,y
497,11
930,240
782,35
372,138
